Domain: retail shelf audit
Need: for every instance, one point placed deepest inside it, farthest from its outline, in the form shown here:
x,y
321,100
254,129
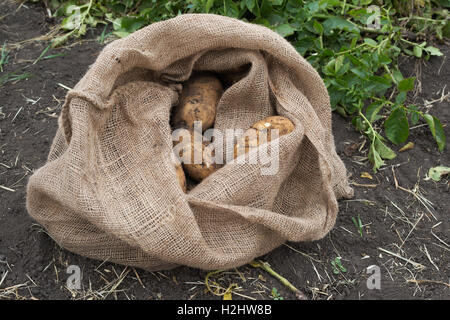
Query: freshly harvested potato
x,y
186,152
284,125
181,177
200,171
252,137
198,102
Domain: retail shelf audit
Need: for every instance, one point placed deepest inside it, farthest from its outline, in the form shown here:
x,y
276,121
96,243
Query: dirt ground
x,y
405,234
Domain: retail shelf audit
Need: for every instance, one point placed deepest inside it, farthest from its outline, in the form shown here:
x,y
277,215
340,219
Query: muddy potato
x,y
186,153
198,102
284,125
252,137
200,171
181,177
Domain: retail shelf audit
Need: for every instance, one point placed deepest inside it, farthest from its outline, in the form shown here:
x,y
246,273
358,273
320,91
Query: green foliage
x,y
358,224
275,294
337,266
397,126
436,173
357,62
424,16
406,85
436,130
13,77
4,57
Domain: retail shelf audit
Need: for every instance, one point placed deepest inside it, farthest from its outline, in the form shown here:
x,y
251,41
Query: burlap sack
x,y
109,189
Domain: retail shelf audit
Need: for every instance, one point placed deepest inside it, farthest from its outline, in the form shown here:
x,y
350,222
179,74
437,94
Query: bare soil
x,y
32,266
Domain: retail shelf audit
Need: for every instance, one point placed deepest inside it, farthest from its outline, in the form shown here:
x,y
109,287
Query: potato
x,y
200,171
284,125
196,171
181,177
252,137
198,102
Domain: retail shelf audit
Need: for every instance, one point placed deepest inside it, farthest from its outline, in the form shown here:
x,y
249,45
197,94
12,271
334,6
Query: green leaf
x,y
72,22
210,3
284,30
313,6
359,72
417,51
414,115
338,64
430,121
397,127
358,123
406,84
250,4
230,9
353,43
436,130
433,51
446,30
276,19
378,84
440,134
128,24
408,52
304,45
338,23
121,34
72,8
341,111
384,59
58,41
384,151
374,158
401,97
372,111
397,75
370,41
354,60
436,173
317,27
337,266
329,67
90,20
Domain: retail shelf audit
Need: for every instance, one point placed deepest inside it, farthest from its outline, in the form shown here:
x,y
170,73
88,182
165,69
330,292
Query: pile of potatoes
x,y
198,102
